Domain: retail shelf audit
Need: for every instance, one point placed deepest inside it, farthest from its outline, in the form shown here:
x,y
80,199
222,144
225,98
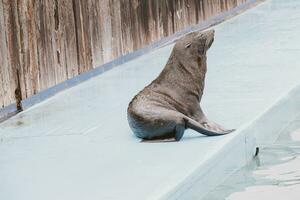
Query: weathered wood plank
x,y
11,54
48,41
67,40
3,57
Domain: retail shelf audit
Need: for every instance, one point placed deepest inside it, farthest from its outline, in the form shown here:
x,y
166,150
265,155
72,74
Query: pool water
x,y
273,174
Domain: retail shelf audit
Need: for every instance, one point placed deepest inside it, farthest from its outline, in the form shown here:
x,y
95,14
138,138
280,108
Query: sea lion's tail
x,y
192,124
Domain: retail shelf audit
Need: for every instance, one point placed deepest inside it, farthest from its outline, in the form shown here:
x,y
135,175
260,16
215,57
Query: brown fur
x,y
171,103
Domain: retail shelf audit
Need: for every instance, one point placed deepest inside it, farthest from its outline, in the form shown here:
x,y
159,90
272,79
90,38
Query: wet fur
x,y
171,103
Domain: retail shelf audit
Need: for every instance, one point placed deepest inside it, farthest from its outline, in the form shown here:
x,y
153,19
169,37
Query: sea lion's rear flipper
x,y
207,128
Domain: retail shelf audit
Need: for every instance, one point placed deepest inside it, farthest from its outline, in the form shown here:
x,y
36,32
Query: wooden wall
x,y
44,42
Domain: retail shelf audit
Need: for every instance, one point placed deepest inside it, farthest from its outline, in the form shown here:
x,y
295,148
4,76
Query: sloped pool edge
x,y
239,149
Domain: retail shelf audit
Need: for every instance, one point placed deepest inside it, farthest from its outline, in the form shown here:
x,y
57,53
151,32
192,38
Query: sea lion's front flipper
x,y
207,127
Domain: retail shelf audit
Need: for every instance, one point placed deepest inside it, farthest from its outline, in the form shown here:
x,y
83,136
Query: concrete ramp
x,y
77,145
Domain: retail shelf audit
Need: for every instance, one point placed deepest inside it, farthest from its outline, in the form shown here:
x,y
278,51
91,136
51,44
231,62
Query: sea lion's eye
x,y
188,45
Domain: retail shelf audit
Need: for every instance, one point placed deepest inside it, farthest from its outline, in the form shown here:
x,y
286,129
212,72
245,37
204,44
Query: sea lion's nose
x,y
210,32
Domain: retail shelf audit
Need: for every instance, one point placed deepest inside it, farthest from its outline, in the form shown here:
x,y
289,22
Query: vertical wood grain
x,y
48,41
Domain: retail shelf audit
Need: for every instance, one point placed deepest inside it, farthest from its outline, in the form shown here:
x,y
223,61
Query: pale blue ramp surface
x,y
273,174
77,145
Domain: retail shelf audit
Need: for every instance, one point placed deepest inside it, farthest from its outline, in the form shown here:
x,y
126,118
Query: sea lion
x,y
171,103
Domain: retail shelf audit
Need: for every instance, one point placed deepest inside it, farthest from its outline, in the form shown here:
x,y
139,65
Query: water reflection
x,y
273,174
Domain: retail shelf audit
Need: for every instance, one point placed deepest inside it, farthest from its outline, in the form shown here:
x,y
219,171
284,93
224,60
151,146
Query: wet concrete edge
x,y
240,148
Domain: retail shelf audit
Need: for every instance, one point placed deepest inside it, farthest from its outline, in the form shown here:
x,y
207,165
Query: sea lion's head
x,y
194,45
